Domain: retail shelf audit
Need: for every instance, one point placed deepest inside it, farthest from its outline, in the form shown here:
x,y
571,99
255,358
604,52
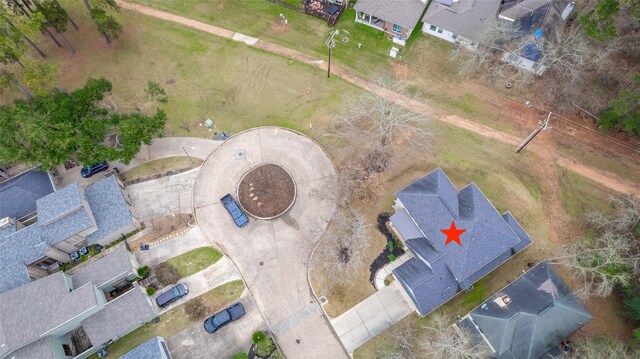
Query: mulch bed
x,y
163,226
266,191
383,258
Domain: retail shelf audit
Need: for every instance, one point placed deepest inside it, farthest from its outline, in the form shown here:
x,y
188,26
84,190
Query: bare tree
x,y
603,348
444,340
373,124
345,247
405,338
610,257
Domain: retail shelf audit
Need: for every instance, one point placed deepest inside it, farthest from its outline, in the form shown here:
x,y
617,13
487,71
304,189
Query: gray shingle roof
x,y
401,12
468,18
490,239
64,227
33,309
405,225
104,269
40,349
131,309
16,251
542,313
58,203
109,208
523,8
151,349
18,195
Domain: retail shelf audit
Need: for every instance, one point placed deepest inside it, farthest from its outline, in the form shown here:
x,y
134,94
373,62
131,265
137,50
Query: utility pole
x,y
543,125
331,43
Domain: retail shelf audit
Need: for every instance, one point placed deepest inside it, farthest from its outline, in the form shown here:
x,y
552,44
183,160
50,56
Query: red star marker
x,y
453,233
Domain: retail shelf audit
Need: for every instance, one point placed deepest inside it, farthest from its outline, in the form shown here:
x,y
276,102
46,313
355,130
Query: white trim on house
x,y
439,32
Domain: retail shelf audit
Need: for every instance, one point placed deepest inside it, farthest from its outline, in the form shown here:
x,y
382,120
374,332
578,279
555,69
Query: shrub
x,y
390,246
265,347
386,282
143,272
276,355
391,257
166,274
259,336
151,291
240,355
195,309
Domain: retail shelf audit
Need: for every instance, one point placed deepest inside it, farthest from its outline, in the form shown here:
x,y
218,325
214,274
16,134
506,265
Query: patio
x,y
324,9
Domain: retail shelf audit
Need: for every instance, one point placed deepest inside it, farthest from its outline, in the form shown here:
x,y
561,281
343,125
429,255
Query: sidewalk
x,y
386,270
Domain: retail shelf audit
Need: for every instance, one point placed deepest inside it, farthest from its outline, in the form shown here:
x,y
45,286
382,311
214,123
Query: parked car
x,y
234,210
175,293
89,171
226,316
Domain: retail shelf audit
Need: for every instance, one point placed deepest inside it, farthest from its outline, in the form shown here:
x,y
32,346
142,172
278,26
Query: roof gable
x,y
18,195
58,203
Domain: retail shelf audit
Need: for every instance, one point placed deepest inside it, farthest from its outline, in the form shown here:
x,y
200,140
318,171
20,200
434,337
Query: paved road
x,y
195,343
163,196
371,317
273,255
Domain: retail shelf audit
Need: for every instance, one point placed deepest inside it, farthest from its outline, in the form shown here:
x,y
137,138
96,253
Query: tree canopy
x,y
54,127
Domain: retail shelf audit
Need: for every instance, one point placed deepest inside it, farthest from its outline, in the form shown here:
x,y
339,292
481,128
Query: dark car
x,y
89,171
175,293
226,316
234,210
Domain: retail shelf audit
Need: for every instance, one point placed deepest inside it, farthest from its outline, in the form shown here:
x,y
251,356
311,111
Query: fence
x,y
331,19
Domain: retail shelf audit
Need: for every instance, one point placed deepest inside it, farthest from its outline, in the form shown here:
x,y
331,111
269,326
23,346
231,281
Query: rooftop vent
x,y
503,301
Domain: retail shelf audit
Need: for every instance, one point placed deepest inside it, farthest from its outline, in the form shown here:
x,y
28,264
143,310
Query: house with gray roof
x,y
154,348
67,220
527,319
438,271
18,195
460,21
67,315
398,18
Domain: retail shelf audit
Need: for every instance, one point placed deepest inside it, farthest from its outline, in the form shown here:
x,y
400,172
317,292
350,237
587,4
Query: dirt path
x,y
604,179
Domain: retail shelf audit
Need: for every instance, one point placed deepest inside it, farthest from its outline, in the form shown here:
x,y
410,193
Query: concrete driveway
x,y
273,255
160,252
215,275
163,196
371,317
195,343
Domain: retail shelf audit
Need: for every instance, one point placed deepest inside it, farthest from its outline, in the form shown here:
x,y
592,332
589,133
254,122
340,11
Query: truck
x,y
224,317
238,215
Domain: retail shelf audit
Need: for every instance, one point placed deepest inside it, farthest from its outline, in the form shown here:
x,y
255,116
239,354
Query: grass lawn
x,y
176,320
237,86
581,196
194,261
162,165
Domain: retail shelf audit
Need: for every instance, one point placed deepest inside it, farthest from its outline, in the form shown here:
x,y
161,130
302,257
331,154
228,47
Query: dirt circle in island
x,y
266,191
